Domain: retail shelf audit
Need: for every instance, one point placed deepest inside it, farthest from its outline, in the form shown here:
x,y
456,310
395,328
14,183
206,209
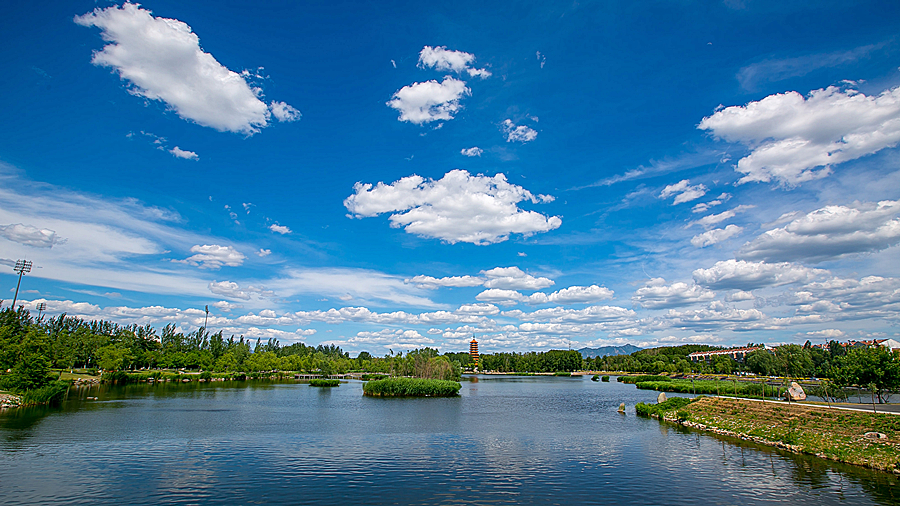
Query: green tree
x,y
876,368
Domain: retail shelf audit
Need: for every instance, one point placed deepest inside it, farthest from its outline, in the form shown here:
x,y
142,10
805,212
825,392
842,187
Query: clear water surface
x,y
505,440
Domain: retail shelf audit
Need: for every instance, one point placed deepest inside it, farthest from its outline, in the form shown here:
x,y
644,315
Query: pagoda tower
x,y
473,351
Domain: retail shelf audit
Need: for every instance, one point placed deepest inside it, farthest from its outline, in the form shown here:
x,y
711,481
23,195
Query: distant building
x,y
738,354
473,351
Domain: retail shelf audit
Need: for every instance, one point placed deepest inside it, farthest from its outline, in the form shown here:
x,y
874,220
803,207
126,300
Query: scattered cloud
x,y
517,133
213,256
187,155
459,207
794,139
162,60
474,151
829,233
704,206
440,58
429,101
715,236
743,275
712,219
30,235
281,229
264,252
683,191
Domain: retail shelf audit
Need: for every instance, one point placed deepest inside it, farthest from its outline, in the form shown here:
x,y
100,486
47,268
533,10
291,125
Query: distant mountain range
x,y
604,351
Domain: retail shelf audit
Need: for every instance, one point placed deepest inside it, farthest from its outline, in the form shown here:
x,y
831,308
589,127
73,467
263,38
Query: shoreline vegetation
x,y
852,437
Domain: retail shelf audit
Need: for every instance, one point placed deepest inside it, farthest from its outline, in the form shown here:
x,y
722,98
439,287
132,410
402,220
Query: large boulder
x,y
795,393
661,398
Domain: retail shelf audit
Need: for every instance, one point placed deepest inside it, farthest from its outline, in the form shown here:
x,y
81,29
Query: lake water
x,y
505,440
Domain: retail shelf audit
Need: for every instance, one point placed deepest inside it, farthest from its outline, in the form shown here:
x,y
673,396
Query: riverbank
x,y
852,437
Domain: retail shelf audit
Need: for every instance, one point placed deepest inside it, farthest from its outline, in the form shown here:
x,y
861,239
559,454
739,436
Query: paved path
x,y
891,409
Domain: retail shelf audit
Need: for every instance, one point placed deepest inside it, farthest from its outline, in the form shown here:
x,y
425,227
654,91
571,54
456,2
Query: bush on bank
x,y
411,387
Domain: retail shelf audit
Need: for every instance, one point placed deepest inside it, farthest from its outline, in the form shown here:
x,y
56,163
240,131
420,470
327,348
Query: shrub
x,y
411,387
324,382
562,373
597,377
605,379
373,377
206,375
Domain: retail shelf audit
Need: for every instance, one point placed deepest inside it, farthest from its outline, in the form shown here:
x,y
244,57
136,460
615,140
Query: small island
x,y
411,387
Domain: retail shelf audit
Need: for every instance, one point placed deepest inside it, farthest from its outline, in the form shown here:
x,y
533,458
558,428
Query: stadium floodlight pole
x,y
41,307
22,266
205,321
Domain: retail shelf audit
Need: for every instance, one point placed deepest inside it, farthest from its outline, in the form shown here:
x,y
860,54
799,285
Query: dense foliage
x,y
411,387
547,361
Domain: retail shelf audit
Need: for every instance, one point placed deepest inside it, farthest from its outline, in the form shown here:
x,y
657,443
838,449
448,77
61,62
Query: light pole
x,y
22,266
41,307
205,321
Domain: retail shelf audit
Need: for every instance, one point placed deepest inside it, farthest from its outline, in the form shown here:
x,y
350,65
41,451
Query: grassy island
x,y
324,382
411,387
853,437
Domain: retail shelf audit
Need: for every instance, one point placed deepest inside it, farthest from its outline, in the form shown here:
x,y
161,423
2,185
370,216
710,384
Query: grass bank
x,y
411,387
832,434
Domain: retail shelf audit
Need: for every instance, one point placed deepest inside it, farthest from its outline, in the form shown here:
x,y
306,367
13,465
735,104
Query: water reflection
x,y
519,440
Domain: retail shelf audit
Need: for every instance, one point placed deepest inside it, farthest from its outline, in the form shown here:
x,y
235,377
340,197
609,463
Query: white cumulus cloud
x,y
213,256
162,60
656,294
793,138
429,101
829,233
514,278
440,58
30,235
474,151
459,207
281,229
181,153
743,275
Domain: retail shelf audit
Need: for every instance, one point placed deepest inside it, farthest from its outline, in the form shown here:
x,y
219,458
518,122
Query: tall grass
x,y
51,393
638,379
743,389
411,387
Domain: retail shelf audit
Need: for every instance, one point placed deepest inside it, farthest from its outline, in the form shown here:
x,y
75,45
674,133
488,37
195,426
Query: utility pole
x,y
22,266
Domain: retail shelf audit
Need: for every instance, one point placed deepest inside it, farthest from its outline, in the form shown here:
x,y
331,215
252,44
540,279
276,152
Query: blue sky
x,y
396,175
